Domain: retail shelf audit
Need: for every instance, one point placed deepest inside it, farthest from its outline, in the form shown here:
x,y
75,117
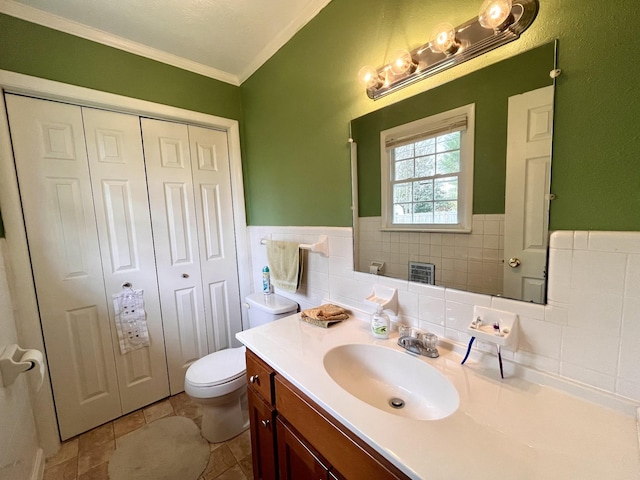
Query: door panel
x,y
166,149
529,139
218,262
116,163
51,161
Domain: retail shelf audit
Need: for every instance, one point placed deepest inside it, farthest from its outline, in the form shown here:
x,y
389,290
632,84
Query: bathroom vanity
x,y
305,425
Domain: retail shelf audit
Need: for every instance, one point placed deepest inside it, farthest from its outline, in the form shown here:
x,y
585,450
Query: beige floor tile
x,y
158,410
220,460
101,472
66,470
234,473
68,450
185,407
128,423
94,457
246,464
240,446
97,437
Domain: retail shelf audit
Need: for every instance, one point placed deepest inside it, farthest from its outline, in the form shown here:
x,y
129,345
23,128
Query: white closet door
x,y
51,161
116,163
212,189
166,150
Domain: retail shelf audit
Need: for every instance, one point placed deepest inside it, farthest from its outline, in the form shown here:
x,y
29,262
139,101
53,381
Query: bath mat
x,y
167,449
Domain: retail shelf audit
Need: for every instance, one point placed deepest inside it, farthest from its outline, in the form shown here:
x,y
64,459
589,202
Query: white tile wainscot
x,y
588,334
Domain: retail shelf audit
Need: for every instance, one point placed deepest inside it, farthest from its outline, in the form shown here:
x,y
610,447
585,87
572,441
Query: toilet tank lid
x,y
273,303
218,367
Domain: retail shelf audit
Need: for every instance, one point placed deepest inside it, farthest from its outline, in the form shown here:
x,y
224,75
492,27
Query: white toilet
x,y
217,381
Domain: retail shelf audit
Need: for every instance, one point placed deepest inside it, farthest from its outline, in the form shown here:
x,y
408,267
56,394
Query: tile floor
x,y
86,456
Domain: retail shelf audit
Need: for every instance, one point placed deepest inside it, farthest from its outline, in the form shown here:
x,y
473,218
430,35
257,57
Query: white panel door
x,y
116,163
529,139
214,210
168,162
51,161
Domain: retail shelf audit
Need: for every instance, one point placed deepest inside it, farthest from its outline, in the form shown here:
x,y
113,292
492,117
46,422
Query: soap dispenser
x,y
380,323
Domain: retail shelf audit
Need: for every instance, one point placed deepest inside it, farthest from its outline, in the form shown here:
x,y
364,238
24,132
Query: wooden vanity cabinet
x,y
262,417
293,438
297,459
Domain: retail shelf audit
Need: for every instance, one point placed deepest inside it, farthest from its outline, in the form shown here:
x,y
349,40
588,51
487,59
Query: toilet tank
x,y
267,308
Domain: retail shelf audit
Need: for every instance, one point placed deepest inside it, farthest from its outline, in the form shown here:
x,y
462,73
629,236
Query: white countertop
x,y
503,429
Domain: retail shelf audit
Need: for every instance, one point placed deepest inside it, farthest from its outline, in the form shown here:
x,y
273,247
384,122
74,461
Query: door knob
x,y
514,262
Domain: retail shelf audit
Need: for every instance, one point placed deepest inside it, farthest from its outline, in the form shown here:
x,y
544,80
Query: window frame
x,y
435,123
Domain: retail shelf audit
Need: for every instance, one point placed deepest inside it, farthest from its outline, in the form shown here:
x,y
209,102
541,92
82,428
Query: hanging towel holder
x,y
321,246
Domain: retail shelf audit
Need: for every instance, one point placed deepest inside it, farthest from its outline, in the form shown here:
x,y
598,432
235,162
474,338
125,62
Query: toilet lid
x,y
218,367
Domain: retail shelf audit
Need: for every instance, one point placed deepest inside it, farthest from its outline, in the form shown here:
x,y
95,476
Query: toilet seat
x,y
216,374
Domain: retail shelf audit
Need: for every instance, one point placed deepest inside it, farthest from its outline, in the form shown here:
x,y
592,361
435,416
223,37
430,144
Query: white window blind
x,y
428,165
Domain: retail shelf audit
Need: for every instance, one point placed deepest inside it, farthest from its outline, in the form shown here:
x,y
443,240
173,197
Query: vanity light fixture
x,y
443,39
498,23
402,63
496,14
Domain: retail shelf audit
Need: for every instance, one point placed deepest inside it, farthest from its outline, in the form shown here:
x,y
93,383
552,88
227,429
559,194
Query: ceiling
x,y
223,39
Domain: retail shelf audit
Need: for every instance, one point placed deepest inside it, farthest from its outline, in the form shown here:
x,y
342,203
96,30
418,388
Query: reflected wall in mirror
x,y
505,254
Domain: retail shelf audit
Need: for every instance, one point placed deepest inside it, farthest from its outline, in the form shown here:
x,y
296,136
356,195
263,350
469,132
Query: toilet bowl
x,y
217,381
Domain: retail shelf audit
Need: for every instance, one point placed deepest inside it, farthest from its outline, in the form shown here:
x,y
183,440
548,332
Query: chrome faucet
x,y
420,345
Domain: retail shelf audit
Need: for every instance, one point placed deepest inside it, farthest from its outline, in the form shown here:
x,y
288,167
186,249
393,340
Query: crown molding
x,y
33,15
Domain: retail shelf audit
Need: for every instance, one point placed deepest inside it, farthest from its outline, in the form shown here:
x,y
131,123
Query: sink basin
x,y
393,381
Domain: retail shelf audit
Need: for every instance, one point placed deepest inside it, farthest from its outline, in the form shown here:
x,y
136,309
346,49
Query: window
x,y
427,171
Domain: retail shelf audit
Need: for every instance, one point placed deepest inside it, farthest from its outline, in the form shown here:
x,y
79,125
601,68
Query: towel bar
x,y
321,246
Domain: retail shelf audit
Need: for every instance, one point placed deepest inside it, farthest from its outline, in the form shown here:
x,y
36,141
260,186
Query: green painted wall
x,y
295,110
489,89
42,52
297,107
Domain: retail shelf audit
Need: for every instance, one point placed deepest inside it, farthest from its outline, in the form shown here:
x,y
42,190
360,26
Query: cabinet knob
x,y
265,423
253,378
185,275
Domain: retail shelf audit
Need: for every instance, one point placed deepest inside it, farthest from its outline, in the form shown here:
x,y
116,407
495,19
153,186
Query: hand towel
x,y
285,266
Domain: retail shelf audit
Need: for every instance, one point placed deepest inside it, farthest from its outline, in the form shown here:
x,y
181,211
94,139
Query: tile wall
x,y
589,332
19,451
462,261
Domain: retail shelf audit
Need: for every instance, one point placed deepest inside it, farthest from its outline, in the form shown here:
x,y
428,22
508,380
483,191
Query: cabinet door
x,y
116,163
297,460
263,437
51,161
168,162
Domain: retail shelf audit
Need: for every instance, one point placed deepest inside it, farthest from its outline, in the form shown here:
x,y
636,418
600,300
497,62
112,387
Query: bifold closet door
x,y
116,163
83,189
53,174
190,189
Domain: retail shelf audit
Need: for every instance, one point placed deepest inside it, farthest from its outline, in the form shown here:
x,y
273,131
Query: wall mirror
x,y
505,253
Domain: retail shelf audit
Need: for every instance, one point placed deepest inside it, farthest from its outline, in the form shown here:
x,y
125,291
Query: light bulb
x,y
495,14
402,62
369,77
443,39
